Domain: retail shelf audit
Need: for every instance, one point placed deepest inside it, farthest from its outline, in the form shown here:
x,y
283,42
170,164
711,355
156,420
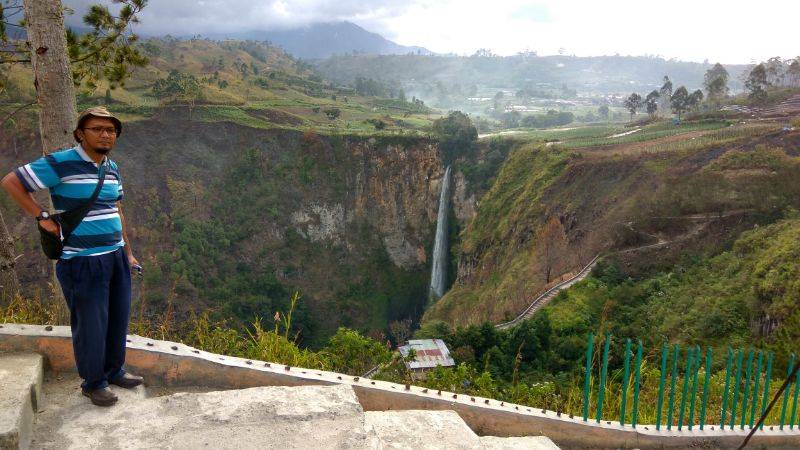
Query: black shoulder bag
x,y
53,245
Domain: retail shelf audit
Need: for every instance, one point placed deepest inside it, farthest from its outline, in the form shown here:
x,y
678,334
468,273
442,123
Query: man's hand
x,y
50,226
134,264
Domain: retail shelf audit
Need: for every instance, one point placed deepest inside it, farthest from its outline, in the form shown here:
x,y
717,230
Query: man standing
x,y
95,267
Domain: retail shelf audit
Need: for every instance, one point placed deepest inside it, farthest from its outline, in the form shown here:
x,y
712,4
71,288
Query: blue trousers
x,y
98,294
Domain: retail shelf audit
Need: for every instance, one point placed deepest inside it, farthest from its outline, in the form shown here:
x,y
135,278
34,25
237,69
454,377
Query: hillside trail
x,y
700,222
623,134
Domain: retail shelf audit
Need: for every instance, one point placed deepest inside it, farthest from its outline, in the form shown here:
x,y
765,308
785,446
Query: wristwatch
x,y
44,215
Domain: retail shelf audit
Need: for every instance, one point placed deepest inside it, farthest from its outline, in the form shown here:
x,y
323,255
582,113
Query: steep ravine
x,y
550,211
232,220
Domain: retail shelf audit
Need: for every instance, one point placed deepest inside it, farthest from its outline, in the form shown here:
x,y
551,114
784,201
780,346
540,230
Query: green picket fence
x,y
689,400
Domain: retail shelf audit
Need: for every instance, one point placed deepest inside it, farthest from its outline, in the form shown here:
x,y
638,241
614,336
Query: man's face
x,y
98,134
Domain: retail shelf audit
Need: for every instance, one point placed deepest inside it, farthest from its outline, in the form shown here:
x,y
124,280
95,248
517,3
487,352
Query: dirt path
x,y
623,134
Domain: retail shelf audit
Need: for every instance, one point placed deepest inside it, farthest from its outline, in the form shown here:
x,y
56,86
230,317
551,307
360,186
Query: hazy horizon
x,y
713,31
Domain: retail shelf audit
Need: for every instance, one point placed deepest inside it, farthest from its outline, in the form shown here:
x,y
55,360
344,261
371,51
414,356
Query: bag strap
x,y
76,216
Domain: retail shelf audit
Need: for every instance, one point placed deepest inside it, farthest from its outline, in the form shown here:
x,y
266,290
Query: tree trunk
x,y
9,283
55,92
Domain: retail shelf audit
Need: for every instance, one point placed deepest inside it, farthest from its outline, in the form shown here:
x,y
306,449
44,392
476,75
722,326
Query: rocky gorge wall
x,y
233,219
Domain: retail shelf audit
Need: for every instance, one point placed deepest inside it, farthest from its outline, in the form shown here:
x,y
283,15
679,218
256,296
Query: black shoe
x,y
128,381
100,397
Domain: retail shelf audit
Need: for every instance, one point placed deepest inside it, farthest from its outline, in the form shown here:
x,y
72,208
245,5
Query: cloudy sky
x,y
728,31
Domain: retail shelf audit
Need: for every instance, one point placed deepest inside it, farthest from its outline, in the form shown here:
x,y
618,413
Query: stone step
x,y
414,429
20,396
64,403
308,417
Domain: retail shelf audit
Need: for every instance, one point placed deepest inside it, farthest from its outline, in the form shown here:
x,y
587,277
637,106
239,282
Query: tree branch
x,y
110,39
13,113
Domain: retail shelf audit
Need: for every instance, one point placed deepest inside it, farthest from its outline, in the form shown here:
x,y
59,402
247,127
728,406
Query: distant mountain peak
x,y
321,40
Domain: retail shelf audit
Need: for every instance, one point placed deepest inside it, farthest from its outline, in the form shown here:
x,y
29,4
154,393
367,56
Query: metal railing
x,y
744,396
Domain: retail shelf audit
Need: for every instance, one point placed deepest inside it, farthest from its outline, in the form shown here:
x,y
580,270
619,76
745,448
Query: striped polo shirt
x,y
72,177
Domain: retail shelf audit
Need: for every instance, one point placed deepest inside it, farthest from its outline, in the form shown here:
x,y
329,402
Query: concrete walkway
x,y
272,417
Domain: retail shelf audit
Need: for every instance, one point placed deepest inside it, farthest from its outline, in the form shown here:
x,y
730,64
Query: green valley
x,y
286,210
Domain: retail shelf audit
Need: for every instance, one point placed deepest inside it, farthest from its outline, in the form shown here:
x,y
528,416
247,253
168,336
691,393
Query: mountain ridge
x,y
322,40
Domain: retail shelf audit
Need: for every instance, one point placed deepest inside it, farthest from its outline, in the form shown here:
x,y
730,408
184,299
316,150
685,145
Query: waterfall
x,y
440,253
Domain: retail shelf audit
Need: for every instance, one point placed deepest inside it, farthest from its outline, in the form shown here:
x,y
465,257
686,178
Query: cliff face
x,y
550,211
233,219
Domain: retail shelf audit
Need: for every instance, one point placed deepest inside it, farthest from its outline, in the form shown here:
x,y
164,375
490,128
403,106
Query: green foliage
x,y
349,352
107,51
603,111
346,352
695,98
333,113
370,87
651,103
34,310
261,82
457,136
480,174
710,301
633,103
716,82
680,102
757,84
377,123
551,119
434,329
517,188
178,88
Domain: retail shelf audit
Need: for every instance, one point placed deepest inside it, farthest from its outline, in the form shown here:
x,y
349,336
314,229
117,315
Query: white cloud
x,y
727,31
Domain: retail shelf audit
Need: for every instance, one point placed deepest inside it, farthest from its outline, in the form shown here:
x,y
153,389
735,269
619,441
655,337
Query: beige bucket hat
x,y
96,111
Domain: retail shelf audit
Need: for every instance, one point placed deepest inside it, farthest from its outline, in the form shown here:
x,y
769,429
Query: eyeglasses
x,y
100,130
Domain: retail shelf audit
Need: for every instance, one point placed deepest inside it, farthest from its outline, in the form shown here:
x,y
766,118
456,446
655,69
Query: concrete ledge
x,y
173,364
20,395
